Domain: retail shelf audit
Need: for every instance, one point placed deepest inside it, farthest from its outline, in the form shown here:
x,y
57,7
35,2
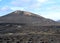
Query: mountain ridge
x,y
27,18
26,22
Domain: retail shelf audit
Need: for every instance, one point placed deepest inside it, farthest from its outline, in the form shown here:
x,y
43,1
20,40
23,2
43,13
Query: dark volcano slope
x,y
27,18
22,21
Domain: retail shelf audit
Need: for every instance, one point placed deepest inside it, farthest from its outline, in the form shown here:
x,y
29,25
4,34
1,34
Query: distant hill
x,y
22,21
58,21
27,18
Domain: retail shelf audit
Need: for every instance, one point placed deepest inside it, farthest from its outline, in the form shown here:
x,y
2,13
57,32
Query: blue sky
x,y
46,8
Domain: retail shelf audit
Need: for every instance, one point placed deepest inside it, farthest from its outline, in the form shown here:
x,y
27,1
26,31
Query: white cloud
x,y
37,4
17,8
20,2
52,15
54,8
4,10
42,1
28,3
26,0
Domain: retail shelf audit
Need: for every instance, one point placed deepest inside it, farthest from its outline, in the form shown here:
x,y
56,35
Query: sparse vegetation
x,y
22,26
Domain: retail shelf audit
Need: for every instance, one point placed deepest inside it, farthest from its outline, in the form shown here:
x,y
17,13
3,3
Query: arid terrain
x,y
27,27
